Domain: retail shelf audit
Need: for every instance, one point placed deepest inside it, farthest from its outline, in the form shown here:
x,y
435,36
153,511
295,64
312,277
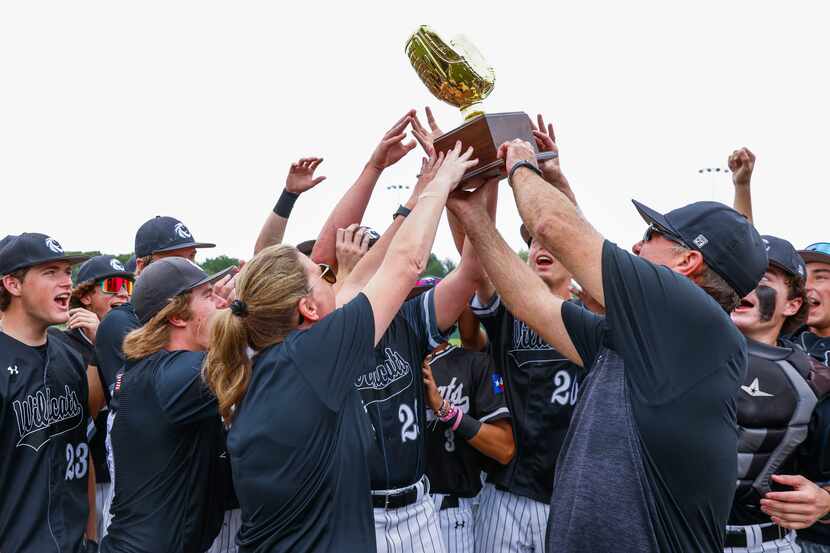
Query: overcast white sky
x,y
112,112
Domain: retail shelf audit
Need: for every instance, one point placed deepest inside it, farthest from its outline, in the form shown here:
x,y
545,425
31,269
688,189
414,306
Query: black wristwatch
x,y
402,210
522,163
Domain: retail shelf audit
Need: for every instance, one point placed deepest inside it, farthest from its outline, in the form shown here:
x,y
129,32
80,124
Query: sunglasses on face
x,y
819,247
326,273
113,285
653,229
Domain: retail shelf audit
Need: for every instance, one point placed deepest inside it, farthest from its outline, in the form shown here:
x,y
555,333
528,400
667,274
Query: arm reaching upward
x,y
742,163
300,179
352,205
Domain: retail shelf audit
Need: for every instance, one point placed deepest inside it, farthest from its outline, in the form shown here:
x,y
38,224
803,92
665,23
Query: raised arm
x,y
522,291
551,169
554,220
369,264
300,179
742,163
352,205
409,250
453,293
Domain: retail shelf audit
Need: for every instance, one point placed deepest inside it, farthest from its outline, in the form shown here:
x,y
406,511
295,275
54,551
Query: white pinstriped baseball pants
x,y
510,523
410,529
457,524
786,544
225,542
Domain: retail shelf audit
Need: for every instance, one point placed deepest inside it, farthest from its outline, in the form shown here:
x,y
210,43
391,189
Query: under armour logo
x,y
13,369
754,390
182,230
54,245
459,524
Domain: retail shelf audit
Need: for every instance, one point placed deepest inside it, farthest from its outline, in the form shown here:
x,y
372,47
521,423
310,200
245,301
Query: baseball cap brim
x,y
655,218
185,245
71,259
814,257
213,278
114,274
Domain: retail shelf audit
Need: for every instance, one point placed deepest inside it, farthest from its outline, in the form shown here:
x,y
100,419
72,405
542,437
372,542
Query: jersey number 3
x,y
409,430
77,461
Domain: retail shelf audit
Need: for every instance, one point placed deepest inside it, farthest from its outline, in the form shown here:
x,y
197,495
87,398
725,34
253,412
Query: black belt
x,y
737,538
449,502
397,500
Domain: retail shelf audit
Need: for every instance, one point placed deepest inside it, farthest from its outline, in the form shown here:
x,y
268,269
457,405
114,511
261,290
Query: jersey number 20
x,y
77,461
566,389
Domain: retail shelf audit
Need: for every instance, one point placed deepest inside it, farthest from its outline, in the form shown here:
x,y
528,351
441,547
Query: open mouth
x,y
63,301
745,305
544,261
813,302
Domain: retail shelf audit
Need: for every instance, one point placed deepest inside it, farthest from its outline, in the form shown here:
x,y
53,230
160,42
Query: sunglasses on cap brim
x,y
113,285
654,229
819,247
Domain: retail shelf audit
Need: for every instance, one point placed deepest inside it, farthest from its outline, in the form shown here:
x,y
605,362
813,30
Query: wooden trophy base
x,y
485,134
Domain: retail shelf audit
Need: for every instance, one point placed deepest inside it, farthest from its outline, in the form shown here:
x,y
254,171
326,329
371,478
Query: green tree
x,y
523,254
213,265
438,267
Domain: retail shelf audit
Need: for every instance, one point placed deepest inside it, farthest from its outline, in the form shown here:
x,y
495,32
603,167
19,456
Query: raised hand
x,y
301,175
224,290
741,163
455,165
352,244
426,138
429,168
392,147
83,319
461,202
546,142
515,151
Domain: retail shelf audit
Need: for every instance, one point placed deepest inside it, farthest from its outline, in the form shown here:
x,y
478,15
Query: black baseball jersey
x,y
45,455
775,405
813,456
465,379
541,387
299,440
172,473
119,322
393,394
78,341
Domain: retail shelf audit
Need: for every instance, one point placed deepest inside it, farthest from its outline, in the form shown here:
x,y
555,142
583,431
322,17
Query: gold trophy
x,y
456,72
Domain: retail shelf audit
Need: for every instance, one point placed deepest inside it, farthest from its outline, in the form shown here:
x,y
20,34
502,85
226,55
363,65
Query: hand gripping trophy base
x,y
485,134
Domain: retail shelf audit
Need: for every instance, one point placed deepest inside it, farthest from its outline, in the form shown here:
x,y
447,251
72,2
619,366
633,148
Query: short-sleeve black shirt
x,y
541,387
465,379
299,440
172,478
652,447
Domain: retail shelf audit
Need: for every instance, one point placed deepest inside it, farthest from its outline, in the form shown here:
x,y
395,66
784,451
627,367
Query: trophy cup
x,y
455,72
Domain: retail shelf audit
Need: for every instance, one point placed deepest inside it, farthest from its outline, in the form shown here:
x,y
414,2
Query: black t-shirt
x,y
393,394
299,440
172,477
44,464
649,463
541,386
109,339
465,379
78,341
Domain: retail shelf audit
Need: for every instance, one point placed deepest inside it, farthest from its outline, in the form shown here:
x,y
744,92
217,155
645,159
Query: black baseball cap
x,y
164,234
816,253
101,267
729,243
782,254
130,264
30,249
165,279
307,246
